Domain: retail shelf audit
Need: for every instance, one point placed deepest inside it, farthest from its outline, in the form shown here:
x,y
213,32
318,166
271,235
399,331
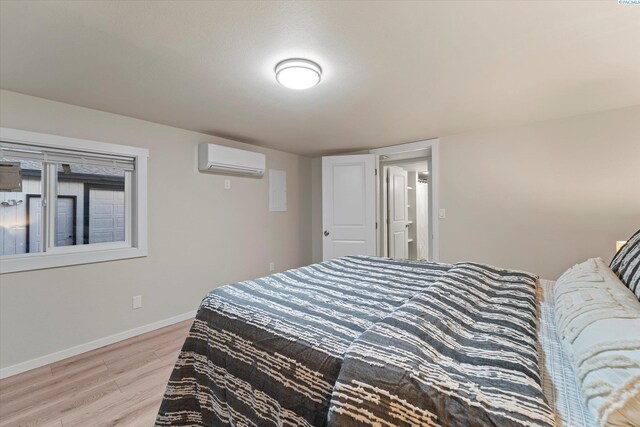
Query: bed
x,y
374,341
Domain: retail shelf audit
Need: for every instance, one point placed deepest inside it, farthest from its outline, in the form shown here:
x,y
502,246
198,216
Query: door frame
x,y
434,179
383,211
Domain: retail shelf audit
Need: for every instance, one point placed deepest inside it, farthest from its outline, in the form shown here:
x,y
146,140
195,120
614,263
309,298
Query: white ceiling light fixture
x,y
298,73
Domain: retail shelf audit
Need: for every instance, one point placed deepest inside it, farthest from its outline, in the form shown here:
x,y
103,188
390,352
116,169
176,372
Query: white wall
x,y
200,236
544,196
538,197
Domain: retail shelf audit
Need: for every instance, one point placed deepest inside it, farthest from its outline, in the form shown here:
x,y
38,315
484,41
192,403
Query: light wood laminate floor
x,y
117,385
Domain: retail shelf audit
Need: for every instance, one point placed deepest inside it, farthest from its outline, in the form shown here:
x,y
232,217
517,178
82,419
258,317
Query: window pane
x,y
91,205
20,211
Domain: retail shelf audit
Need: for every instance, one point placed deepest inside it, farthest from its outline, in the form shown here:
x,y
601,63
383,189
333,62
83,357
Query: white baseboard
x,y
91,345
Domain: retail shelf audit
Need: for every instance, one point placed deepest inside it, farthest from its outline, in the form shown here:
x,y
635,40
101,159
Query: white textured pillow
x,y
598,321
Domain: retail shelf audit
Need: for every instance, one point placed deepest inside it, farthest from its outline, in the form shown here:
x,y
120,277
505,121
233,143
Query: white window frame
x,y
135,244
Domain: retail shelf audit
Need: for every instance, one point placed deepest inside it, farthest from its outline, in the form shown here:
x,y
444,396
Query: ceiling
x,y
393,72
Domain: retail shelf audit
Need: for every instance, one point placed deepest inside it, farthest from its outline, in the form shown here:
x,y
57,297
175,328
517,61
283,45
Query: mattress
x,y
559,382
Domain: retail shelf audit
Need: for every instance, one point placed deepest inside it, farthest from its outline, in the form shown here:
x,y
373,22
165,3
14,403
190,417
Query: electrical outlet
x,y
272,266
227,184
137,301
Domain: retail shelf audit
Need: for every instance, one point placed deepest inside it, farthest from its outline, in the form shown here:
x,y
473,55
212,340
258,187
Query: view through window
x,y
57,201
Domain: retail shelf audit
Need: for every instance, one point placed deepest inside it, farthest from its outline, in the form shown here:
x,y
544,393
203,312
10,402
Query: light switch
x,y
442,213
227,184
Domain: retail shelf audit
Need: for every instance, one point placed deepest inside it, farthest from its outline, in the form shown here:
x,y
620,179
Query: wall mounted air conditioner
x,y
227,160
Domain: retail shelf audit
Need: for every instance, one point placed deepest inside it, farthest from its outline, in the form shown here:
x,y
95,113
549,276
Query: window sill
x,y
14,264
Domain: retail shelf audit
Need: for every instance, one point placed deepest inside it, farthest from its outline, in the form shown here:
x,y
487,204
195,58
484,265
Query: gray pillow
x,y
626,264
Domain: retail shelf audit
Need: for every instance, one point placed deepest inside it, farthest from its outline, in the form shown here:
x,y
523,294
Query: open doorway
x,y
421,162
355,206
404,206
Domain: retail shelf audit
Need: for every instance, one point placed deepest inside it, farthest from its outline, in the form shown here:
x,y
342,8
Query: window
x,y
75,202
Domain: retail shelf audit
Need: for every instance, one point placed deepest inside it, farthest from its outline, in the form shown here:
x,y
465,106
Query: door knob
x,y
326,233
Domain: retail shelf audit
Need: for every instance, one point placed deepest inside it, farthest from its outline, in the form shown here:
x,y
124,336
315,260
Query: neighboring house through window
x,y
80,201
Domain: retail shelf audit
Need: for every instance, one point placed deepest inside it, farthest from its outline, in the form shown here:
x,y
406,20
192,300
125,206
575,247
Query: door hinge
x,y
376,172
376,225
387,180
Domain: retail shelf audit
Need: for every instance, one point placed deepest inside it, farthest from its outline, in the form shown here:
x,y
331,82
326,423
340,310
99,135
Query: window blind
x,y
54,155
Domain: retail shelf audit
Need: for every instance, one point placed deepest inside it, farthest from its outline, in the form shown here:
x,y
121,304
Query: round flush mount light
x,y
297,73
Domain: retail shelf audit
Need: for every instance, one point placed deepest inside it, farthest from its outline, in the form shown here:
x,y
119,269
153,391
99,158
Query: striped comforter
x,y
363,341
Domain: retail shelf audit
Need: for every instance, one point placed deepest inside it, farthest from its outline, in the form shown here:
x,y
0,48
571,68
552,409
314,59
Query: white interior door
x,y
348,205
422,212
398,213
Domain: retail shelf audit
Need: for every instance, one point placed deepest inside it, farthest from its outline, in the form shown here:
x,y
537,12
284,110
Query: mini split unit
x,y
227,160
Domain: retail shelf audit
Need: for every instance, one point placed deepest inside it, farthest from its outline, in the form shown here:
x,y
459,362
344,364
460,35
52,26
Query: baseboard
x,y
91,345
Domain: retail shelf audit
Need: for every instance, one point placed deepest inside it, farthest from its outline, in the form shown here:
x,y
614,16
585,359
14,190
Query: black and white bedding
x,y
268,351
363,341
462,352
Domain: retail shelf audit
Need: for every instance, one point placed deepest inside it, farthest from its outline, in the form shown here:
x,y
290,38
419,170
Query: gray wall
x,y
539,197
200,236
